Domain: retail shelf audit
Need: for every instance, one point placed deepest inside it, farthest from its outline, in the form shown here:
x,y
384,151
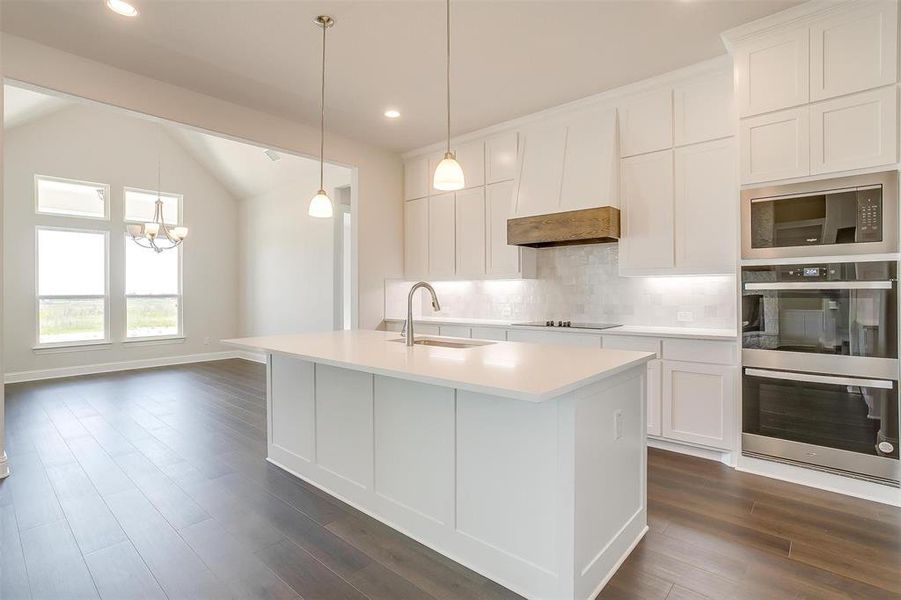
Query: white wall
x,y
286,262
98,144
379,173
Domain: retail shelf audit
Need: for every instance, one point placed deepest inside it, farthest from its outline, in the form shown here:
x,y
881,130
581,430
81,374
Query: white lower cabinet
x,y
654,401
553,337
698,403
455,331
489,333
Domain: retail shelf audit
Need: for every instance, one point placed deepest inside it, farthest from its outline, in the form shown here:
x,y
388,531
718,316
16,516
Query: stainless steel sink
x,y
443,343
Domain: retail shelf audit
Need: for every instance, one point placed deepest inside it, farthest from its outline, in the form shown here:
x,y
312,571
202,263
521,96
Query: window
x,y
72,286
152,292
65,197
140,205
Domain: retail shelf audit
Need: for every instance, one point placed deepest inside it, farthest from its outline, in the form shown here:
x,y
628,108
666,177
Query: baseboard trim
x,y
258,357
722,456
126,365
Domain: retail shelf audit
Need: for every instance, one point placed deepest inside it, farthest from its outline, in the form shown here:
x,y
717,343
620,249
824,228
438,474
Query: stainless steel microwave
x,y
841,216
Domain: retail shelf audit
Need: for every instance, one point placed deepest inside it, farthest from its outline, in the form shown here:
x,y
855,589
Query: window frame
x,y
178,335
38,345
126,189
56,215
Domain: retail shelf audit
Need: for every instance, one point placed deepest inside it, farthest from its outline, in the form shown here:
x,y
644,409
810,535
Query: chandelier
x,y
156,234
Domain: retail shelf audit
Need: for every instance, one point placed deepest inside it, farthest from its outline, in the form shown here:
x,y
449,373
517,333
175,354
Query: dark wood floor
x,y
152,484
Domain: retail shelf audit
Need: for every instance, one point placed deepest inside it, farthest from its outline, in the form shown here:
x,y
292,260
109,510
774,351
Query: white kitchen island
x,y
524,462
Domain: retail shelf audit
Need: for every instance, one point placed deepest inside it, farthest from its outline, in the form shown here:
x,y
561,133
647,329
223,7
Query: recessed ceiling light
x,y
392,114
122,7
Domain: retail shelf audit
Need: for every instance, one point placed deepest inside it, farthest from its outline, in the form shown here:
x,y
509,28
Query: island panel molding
x,y
546,497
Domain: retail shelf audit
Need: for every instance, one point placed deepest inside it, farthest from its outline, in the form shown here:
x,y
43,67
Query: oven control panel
x,y
869,215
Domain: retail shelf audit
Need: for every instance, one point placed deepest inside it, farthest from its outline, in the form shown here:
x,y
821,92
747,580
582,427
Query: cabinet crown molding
x,y
792,18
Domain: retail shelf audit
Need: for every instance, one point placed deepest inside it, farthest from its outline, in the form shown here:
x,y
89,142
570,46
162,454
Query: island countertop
x,y
525,371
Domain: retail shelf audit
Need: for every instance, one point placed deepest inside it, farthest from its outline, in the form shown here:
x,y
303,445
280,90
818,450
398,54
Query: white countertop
x,y
533,372
696,333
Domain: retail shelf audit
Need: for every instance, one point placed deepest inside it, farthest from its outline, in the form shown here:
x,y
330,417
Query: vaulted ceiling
x,y
509,58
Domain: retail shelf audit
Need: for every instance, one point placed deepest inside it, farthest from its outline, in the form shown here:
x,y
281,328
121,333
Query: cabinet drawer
x,y
632,342
705,351
553,337
455,331
489,333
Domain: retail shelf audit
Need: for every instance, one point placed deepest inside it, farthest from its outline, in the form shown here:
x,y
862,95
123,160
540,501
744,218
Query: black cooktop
x,y
565,324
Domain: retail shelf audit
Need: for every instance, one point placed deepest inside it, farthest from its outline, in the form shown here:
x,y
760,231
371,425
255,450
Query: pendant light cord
x,y
322,117
448,78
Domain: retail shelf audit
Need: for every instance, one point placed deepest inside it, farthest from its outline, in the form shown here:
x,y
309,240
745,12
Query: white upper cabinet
x,y
854,132
416,238
501,156
540,170
470,234
646,122
854,51
704,109
706,207
647,212
442,249
416,178
471,157
773,73
775,146
500,258
591,162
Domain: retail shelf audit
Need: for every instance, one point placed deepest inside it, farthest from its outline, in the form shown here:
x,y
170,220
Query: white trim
x,y
844,258
107,200
257,357
161,340
127,365
606,98
722,456
71,347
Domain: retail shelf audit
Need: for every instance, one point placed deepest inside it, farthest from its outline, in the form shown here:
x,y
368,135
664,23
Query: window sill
x,y
71,347
154,341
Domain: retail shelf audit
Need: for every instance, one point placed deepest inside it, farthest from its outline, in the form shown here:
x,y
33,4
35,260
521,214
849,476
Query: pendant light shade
x,y
448,174
321,204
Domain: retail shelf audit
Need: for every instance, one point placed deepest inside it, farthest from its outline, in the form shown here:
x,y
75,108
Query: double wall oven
x,y
819,311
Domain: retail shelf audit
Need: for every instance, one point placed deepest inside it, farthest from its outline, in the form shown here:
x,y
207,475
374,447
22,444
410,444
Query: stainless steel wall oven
x,y
820,366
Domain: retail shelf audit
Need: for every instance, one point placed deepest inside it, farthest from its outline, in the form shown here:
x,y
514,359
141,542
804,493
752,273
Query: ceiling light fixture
x,y
448,173
122,7
392,114
321,204
155,234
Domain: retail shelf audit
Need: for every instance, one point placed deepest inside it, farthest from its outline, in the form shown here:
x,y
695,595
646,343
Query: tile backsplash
x,y
581,283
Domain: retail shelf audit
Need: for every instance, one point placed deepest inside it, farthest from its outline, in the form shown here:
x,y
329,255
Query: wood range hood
x,y
586,226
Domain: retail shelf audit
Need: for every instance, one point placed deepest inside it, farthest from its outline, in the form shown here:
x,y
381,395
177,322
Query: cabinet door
x,y
501,156
775,146
416,238
470,235
854,51
591,162
489,333
704,109
540,170
655,369
500,258
773,73
454,331
854,132
647,212
416,178
698,403
442,250
471,157
646,122
706,207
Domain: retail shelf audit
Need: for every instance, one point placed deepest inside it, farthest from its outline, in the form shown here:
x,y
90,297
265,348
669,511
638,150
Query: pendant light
x,y
321,204
448,173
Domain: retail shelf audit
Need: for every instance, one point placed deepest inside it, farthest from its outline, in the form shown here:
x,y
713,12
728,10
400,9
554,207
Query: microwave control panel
x,y
869,215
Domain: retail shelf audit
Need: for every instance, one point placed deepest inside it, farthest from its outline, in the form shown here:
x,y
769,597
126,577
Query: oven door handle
x,y
821,285
809,378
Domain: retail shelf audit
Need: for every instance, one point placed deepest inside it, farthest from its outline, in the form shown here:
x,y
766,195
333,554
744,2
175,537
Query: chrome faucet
x,y
408,325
